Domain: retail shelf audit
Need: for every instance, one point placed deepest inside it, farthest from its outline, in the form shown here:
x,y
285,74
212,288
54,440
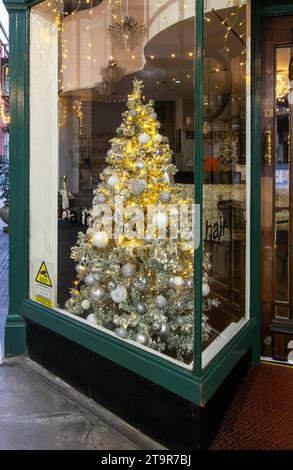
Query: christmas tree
x,y
140,287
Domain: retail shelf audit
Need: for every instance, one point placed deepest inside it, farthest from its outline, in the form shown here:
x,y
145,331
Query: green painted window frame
x,y
198,385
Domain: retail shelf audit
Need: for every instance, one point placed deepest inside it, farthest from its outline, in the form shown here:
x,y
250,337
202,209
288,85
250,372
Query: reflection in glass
x,y
225,166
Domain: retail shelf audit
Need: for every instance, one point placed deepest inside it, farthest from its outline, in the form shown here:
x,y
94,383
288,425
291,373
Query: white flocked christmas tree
x,y
131,280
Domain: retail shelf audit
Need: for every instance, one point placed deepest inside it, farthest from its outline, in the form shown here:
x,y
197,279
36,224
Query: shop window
x,y
116,83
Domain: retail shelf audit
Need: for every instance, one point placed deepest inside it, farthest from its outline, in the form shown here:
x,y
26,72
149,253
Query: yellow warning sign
x,y
43,275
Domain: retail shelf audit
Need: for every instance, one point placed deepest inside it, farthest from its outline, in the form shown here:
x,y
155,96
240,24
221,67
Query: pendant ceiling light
x,y
128,34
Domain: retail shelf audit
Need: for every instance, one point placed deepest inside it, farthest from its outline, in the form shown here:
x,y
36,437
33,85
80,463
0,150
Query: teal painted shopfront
x,y
171,323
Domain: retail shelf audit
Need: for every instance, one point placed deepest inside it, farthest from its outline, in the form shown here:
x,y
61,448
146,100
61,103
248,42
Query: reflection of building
x,y
4,89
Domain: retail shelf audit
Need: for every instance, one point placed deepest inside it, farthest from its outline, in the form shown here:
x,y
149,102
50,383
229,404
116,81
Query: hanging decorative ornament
x,y
178,281
121,332
84,260
85,304
139,165
91,318
165,196
162,329
89,280
119,294
96,293
142,338
157,138
160,301
81,270
140,283
132,113
127,34
144,138
100,199
112,285
110,153
138,186
113,181
205,290
128,270
141,308
100,239
167,178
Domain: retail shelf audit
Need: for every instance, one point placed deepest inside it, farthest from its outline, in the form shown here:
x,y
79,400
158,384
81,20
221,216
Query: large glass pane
x,y
113,142
225,169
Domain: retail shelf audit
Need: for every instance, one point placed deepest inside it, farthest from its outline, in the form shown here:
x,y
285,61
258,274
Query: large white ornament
x,y
100,199
100,239
139,165
119,294
158,138
128,270
80,269
113,181
142,338
144,138
89,280
160,301
96,293
178,281
205,290
138,186
91,318
85,304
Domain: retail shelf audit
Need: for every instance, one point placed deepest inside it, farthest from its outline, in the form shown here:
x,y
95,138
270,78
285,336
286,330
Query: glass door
x,y
277,190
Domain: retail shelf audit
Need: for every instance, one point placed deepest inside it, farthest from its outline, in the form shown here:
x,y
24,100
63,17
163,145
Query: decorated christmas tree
x,y
137,283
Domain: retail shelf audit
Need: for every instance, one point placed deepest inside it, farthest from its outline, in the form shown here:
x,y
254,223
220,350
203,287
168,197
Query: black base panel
x,y
164,416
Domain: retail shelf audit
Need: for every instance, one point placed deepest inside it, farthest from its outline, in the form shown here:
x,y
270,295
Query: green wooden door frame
x,y
198,385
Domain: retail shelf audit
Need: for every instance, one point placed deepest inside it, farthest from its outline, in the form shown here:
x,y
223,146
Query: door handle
x,y
268,146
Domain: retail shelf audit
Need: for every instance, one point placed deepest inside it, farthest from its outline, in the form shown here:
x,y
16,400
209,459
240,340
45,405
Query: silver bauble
x,y
128,270
205,290
144,138
80,269
89,280
162,329
100,199
141,308
110,153
91,318
85,304
96,293
139,165
119,294
112,285
160,301
140,283
138,186
121,332
119,157
142,338
165,196
178,281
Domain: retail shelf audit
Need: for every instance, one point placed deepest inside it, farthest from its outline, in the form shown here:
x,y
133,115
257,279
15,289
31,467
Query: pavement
x,y
38,411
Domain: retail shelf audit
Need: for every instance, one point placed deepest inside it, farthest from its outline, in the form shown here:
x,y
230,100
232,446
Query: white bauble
x,y
142,338
205,290
89,280
139,165
121,332
113,181
132,113
96,293
158,138
141,308
91,318
178,281
85,304
80,269
144,138
100,239
119,294
100,199
160,301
